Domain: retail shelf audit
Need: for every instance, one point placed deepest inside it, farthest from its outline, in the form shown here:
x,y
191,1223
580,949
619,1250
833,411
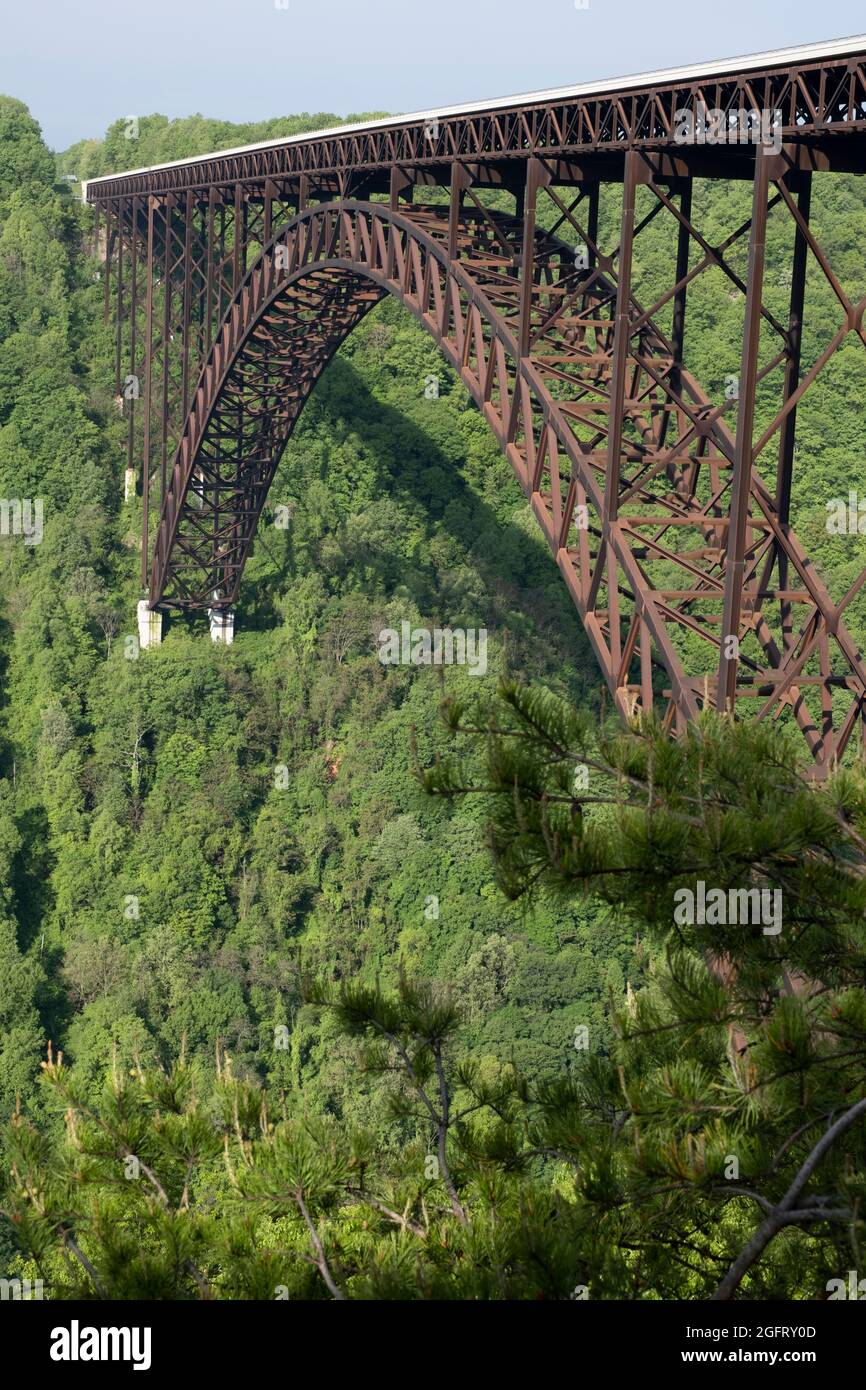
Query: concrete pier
x,y
222,625
149,626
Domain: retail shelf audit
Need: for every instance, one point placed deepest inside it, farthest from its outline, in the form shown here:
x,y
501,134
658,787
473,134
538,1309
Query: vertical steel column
x,y
118,337
220,263
621,337
592,224
788,434
537,177
267,217
210,233
109,243
460,181
237,238
634,169
646,668
134,253
678,319
679,312
201,337
399,182
189,219
148,364
735,563
168,213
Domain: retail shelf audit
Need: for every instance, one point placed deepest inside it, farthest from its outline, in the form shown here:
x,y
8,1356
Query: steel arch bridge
x,y
234,277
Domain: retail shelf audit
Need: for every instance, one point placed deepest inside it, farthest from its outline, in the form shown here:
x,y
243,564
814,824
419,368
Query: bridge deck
x,y
817,88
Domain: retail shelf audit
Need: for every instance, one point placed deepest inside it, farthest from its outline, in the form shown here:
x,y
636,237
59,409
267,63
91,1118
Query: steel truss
x,y
666,508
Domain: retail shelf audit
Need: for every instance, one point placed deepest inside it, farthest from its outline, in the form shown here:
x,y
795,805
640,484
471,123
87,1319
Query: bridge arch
x,y
309,288
609,485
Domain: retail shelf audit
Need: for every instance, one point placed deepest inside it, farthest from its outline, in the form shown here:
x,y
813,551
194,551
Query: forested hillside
x,y
164,888
154,780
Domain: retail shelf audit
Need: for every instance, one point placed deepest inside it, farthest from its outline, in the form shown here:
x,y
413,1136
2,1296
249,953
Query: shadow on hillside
x,y
343,396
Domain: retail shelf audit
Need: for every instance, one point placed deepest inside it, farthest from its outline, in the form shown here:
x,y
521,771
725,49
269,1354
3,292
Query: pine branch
x,y
785,1213
321,1260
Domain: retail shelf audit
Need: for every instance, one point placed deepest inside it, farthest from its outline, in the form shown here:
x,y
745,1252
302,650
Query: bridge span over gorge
x,y
512,231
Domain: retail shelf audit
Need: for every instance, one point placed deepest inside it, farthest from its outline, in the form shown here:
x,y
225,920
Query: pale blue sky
x,y
80,64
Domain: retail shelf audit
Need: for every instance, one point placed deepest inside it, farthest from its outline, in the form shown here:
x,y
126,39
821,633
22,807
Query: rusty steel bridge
x,y
511,231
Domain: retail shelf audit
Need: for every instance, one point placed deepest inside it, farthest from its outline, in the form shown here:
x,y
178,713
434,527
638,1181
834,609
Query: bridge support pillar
x,y
736,562
149,626
222,625
537,177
